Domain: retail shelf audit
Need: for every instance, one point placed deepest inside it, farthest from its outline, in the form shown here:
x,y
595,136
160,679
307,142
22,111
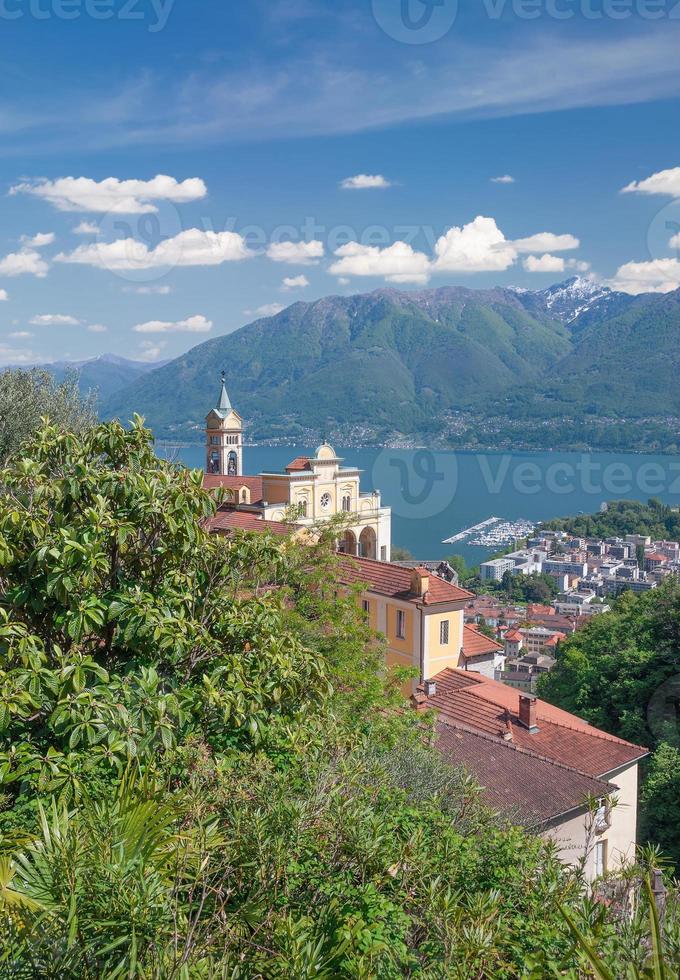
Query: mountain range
x,y
572,365
105,374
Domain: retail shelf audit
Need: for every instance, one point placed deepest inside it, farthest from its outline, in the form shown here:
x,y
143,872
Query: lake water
x,y
433,495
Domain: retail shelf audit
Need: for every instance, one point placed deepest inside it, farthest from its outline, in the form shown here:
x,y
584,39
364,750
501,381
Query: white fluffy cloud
x,y
295,282
149,290
86,228
40,240
479,246
267,309
112,194
14,355
3,296
191,247
97,328
504,179
54,320
544,263
546,241
361,182
193,324
151,350
20,335
27,262
664,182
296,253
397,263
657,276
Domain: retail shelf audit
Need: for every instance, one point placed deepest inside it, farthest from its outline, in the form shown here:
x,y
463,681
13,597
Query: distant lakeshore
x,y
434,494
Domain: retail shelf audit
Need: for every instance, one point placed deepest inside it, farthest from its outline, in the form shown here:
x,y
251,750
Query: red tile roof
x,y
520,783
228,520
394,581
475,644
514,635
299,463
492,708
536,609
254,483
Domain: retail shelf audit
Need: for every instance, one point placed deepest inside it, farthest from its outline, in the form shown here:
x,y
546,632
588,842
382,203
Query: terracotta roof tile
x,y
228,520
254,483
394,581
475,644
516,781
299,463
492,708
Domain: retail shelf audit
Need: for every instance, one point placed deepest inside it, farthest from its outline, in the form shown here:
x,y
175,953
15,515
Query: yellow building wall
x,y
440,656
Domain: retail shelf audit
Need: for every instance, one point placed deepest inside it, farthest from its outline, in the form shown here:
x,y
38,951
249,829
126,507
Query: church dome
x,y
325,452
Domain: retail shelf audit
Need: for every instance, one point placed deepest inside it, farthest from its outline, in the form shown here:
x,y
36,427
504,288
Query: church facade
x,y
312,489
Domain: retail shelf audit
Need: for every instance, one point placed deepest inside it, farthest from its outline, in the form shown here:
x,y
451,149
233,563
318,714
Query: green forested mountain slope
x,y
391,363
397,358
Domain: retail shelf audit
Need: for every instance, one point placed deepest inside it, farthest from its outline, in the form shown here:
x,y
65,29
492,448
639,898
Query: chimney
x,y
527,712
430,688
420,581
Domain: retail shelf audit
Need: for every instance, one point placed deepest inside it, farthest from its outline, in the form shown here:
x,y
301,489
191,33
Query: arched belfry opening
x,y
224,437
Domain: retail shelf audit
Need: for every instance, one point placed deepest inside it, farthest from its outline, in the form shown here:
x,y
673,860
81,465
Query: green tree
x,y
28,396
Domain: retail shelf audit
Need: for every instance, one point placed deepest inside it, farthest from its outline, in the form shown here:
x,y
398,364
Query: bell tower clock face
x,y
325,501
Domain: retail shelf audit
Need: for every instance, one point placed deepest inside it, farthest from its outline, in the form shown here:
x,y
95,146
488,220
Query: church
x,y
310,490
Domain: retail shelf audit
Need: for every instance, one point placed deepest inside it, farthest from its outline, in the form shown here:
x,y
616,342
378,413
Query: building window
x,y
244,496
600,858
347,503
325,501
401,624
214,440
444,632
383,552
302,508
366,606
602,814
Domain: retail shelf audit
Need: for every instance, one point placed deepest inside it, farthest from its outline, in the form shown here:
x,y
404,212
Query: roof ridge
x,y
497,740
590,730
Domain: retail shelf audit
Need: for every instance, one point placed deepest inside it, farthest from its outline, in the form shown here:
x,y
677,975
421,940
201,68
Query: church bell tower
x,y
224,438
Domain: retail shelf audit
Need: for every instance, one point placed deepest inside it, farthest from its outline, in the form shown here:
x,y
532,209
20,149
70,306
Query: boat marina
x,y
494,532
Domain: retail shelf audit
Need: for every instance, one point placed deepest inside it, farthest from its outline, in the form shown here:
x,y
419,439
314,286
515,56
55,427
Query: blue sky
x,y
255,114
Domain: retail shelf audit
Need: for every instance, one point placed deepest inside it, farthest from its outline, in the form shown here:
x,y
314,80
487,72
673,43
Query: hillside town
x,y
540,761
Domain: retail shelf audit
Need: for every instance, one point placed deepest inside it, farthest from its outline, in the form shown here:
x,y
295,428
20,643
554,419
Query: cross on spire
x,y
224,405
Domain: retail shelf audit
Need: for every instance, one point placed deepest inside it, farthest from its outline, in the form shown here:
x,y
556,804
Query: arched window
x,y
244,496
347,503
302,508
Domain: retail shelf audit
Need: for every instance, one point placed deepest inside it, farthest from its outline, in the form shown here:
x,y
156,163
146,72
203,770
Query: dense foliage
x,y
205,772
622,517
28,396
621,671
